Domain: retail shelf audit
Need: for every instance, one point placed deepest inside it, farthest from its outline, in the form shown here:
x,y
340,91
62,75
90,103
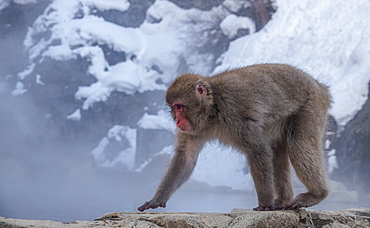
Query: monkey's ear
x,y
201,89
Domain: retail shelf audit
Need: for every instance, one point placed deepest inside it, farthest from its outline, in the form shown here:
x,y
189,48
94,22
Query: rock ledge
x,y
357,217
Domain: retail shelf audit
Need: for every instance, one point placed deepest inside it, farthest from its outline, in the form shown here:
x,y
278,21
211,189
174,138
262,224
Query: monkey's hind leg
x,y
304,148
282,180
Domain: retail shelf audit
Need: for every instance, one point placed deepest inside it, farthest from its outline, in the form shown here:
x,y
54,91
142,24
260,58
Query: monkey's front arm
x,y
181,167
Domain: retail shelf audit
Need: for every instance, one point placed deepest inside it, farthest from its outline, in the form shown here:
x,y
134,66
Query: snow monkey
x,y
275,114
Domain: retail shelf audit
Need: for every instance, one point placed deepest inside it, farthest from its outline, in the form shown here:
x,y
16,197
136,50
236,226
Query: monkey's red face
x,y
181,121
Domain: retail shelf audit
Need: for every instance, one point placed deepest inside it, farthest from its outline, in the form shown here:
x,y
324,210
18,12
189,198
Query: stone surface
x,y
357,217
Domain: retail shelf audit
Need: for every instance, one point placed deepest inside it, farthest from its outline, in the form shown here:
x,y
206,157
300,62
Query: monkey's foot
x,y
295,205
152,205
270,208
305,200
281,204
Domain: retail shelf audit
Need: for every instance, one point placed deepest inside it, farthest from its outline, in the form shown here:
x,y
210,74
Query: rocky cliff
x,y
357,217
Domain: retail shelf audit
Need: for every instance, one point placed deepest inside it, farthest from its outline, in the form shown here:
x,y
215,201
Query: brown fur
x,y
273,113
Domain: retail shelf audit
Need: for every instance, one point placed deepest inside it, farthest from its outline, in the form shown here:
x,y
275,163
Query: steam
x,y
46,176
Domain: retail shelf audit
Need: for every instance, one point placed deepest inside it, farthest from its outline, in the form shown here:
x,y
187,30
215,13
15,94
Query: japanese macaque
x,y
275,114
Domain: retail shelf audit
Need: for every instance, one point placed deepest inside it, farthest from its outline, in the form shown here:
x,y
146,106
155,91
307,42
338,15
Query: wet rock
x,y
357,217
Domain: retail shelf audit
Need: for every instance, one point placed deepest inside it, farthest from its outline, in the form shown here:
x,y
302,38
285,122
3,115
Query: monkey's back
x,y
267,90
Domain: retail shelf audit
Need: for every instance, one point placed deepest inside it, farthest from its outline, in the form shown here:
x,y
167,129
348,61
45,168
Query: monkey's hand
x,y
151,204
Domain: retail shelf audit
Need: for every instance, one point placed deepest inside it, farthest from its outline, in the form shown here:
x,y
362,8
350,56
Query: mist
x,y
44,175
84,126
43,178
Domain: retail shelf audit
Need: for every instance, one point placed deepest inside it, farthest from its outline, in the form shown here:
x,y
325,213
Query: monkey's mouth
x,y
183,125
184,128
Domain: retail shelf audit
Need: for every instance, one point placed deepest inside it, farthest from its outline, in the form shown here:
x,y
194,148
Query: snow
x,y
29,69
235,5
126,156
166,150
160,121
76,115
332,161
232,23
154,45
230,171
120,5
328,39
19,89
24,2
5,3
38,80
126,77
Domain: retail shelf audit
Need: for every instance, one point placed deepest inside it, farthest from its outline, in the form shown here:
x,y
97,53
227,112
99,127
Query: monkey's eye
x,y
177,106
